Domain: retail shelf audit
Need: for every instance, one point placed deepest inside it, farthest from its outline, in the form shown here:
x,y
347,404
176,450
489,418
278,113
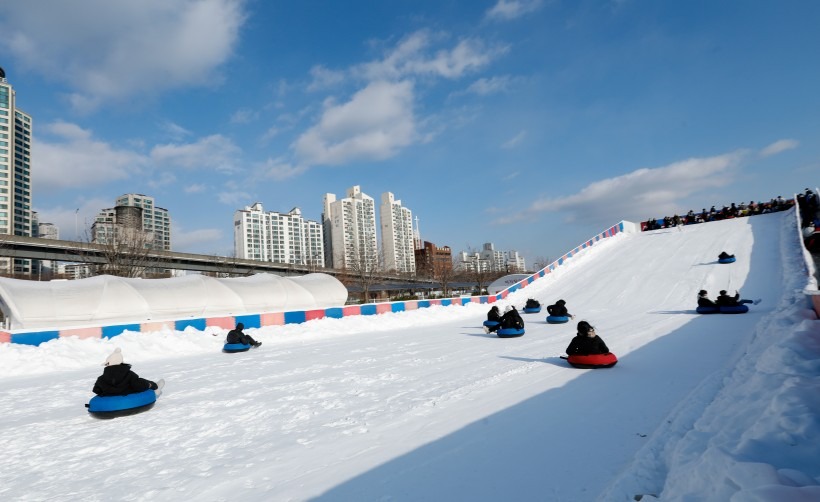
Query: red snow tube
x,y
593,360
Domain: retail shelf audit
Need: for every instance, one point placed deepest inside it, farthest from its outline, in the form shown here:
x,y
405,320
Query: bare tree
x,y
127,252
364,270
541,262
443,273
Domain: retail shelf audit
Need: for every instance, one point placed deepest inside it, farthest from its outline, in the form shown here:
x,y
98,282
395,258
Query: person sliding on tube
x,y
704,300
237,336
586,342
559,310
731,301
511,319
118,379
493,315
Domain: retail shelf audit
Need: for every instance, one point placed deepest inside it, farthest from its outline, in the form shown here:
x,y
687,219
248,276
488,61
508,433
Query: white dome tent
x,y
107,299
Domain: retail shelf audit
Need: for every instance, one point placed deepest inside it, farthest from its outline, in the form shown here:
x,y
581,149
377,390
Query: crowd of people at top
x,y
713,214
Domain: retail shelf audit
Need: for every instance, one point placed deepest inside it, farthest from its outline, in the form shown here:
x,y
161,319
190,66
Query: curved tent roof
x,y
107,299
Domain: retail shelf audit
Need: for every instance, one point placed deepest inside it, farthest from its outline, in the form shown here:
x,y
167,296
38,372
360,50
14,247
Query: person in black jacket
x,y
731,301
493,315
704,300
532,303
511,319
559,309
236,335
118,379
723,255
586,342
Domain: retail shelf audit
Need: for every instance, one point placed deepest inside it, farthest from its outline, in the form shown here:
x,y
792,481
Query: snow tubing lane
x,y
593,361
733,309
532,310
509,332
230,348
731,259
557,319
120,406
707,310
491,324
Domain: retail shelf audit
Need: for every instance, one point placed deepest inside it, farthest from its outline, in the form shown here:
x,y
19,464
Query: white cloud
x,y
74,222
279,169
195,188
235,198
635,195
174,130
408,59
374,125
211,152
324,78
110,50
511,9
185,241
492,85
68,156
778,147
514,141
243,116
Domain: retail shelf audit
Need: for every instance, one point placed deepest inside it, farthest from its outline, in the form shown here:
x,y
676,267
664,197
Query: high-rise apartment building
x,y
488,259
277,237
155,220
397,235
139,217
15,173
350,231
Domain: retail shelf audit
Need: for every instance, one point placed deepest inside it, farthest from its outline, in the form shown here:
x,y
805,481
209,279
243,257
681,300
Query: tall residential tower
x,y
350,231
397,235
15,173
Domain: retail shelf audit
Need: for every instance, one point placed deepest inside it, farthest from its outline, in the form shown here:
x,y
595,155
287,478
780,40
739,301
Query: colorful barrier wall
x,y
296,317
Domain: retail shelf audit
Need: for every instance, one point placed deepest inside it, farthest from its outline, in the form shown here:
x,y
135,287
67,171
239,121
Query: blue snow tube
x,y
118,406
490,324
532,310
733,309
557,319
509,332
707,310
236,347
730,259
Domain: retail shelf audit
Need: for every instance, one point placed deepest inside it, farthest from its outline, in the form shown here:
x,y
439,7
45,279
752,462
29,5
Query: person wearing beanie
x,y
586,342
118,379
236,335
704,300
559,309
511,319
493,315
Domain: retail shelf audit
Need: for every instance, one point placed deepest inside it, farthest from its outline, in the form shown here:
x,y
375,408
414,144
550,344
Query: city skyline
x,y
530,124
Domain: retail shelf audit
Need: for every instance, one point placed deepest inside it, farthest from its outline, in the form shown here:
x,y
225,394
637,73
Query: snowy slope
x,y
422,405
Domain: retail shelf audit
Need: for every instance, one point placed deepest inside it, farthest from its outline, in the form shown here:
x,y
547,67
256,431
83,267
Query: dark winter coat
x,y
557,310
119,380
723,255
531,304
236,335
705,302
494,315
583,345
728,300
512,319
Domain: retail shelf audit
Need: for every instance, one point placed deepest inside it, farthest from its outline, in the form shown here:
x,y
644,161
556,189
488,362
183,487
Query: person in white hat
x,y
118,379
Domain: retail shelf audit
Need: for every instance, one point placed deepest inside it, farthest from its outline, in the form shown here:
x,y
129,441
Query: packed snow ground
x,y
422,405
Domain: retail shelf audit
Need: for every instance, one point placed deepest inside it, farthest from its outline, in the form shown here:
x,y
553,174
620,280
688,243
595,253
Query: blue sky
x,y
530,124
